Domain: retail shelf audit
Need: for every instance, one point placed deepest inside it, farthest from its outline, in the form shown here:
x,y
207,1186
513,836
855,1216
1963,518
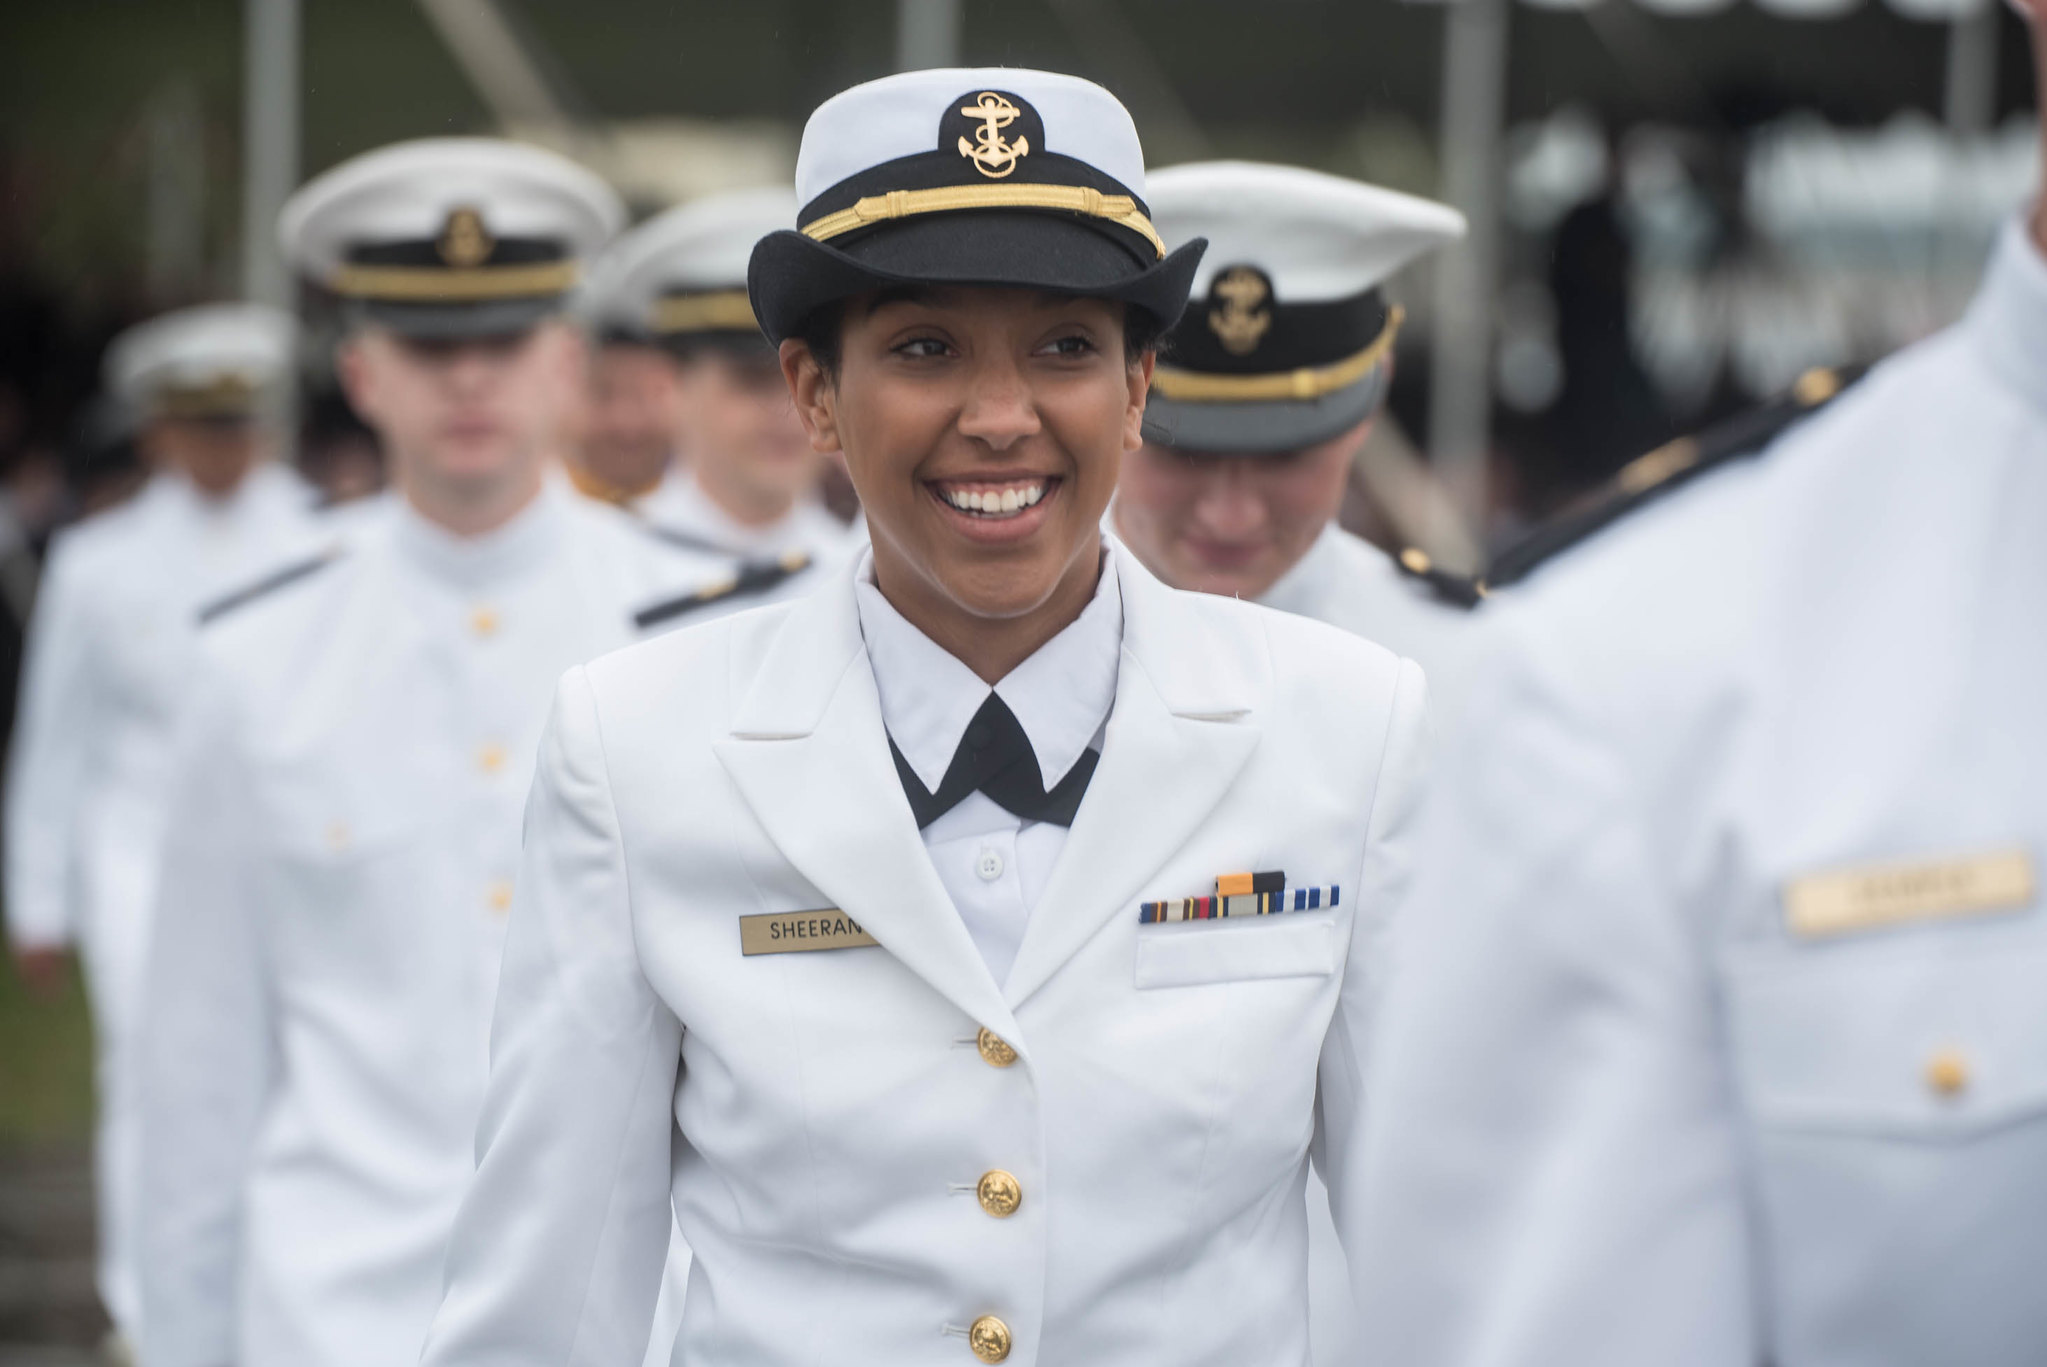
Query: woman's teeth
x,y
1003,502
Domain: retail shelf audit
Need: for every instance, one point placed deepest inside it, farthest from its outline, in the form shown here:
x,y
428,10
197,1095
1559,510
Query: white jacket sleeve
x,y
557,1253
1551,1173
1389,857
53,739
207,1049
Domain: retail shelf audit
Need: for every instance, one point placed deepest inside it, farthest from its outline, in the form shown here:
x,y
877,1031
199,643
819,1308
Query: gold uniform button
x,y
501,896
1947,1073
484,622
338,836
995,1050
990,1339
1000,1193
491,758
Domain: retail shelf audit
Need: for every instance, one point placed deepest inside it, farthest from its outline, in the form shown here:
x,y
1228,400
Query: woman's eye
x,y
1073,345
918,348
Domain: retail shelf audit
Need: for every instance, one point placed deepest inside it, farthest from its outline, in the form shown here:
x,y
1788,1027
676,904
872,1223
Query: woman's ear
x,y
1138,374
814,395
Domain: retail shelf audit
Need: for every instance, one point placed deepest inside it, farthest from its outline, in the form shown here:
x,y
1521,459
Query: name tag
x,y
1879,895
793,932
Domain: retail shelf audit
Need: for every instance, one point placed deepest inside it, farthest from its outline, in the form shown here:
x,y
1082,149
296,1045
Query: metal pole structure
x,y
1970,97
1467,277
927,34
270,144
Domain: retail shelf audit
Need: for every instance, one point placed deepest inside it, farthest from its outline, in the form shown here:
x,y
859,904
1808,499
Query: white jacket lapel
x,y
810,755
1184,725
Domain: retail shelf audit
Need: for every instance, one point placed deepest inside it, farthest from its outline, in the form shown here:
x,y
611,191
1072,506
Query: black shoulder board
x,y
754,577
1448,586
267,585
1669,467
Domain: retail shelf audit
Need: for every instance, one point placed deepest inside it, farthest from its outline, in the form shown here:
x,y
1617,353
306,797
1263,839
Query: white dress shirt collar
x,y
2009,316
474,560
1061,695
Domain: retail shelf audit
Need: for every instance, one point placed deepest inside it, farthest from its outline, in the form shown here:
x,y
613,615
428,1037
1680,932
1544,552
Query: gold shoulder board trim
x,y
1309,382
1078,199
727,309
432,284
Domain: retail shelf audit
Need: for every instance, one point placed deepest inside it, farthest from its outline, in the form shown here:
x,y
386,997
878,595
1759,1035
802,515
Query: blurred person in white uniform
x,y
345,833
111,647
1718,1026
1269,385
631,414
972,967
1267,390
749,485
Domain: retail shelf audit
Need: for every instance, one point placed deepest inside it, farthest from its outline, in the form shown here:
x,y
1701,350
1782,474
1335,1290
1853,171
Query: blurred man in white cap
x,y
631,422
748,485
975,958
1267,390
340,861
1719,1030
111,649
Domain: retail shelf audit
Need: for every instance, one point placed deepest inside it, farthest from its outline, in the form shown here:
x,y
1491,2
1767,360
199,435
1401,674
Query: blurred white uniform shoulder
x,y
1736,865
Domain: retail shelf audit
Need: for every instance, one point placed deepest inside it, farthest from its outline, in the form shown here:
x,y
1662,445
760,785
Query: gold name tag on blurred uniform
x,y
1879,895
793,932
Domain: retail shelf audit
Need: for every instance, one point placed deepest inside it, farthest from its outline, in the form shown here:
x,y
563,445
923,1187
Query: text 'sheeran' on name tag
x,y
792,932
1878,895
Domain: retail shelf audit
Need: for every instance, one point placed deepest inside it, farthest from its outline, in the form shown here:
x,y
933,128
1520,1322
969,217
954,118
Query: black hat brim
x,y
452,322
1262,427
791,275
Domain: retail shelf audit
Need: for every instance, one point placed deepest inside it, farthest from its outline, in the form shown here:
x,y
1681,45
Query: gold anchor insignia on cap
x,y
993,156
1243,320
464,241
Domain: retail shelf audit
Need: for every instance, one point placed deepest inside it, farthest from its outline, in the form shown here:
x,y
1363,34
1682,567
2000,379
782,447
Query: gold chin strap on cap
x,y
460,285
228,395
1121,210
724,311
1309,382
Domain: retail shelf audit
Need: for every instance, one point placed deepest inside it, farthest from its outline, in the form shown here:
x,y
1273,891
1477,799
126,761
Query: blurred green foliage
x,y
45,1065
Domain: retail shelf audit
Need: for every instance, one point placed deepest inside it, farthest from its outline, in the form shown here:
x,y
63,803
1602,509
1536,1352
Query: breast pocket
x,y
1190,954
1930,1039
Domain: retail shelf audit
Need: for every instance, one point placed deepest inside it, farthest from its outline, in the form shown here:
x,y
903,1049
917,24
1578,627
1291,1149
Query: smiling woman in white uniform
x,y
919,958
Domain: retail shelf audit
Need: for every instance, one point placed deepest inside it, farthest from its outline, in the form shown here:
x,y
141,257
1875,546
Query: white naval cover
x,y
111,648
1625,1114
339,865
406,191
702,245
898,116
194,347
1319,237
832,1113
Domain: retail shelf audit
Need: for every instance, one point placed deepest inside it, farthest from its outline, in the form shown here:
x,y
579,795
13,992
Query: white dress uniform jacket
x,y
339,868
110,653
824,1119
1719,1030
1348,582
679,504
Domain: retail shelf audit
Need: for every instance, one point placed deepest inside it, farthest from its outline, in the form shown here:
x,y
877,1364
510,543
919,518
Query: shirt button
x,y
989,865
989,1339
995,1050
490,758
500,896
483,621
999,1193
